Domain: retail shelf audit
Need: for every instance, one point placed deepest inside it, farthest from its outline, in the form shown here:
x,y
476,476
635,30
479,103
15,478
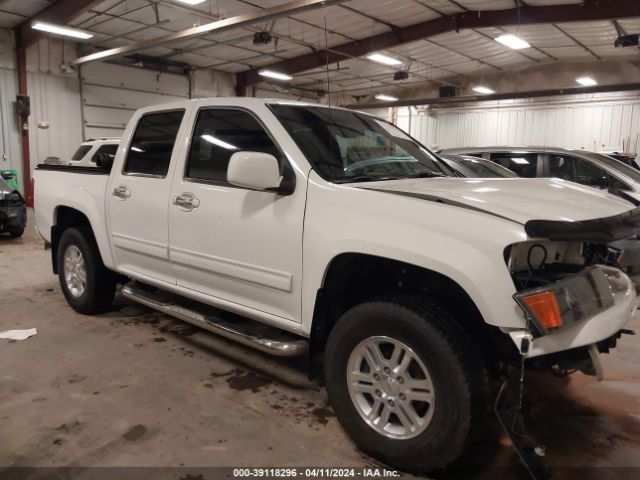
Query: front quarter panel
x,y
463,245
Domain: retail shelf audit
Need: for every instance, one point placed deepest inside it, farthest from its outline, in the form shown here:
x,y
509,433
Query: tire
x,y
96,293
459,383
16,232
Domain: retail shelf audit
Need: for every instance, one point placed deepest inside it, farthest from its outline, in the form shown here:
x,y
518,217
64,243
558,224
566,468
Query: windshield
x,y
477,167
620,167
344,146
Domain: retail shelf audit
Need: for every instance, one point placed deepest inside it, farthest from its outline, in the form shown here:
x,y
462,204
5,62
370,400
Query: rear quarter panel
x,y
80,191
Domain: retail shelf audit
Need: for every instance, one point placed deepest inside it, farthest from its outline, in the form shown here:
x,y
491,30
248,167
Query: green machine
x,y
11,177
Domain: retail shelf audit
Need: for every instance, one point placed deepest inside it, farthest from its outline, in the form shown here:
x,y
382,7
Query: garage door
x,y
111,93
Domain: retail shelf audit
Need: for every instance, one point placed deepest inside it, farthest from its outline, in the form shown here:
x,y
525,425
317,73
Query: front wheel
x,y
406,382
87,284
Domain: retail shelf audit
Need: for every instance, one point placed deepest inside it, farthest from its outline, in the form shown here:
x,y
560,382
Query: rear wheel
x,y
406,382
87,284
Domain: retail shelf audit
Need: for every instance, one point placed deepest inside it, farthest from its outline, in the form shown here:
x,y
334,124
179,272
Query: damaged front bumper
x,y
585,333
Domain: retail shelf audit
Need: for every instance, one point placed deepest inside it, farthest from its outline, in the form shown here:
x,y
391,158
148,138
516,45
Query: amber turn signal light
x,y
546,309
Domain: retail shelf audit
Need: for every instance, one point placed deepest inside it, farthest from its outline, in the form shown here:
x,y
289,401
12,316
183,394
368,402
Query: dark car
x,y
13,210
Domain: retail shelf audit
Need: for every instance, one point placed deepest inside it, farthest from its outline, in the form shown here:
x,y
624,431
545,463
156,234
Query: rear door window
x,y
152,145
523,164
578,170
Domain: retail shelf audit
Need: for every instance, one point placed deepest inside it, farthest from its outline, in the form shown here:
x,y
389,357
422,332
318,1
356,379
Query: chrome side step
x,y
247,332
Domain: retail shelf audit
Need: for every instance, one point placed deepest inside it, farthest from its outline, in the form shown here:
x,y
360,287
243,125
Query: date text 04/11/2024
x,y
323,472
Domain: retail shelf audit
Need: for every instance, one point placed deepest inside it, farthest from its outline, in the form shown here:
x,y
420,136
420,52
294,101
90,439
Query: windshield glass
x,y
477,167
617,165
344,146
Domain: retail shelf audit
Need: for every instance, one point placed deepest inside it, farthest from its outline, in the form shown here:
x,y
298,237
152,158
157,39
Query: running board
x,y
247,332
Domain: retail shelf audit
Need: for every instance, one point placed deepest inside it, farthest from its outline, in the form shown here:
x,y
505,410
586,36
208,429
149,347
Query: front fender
x,y
468,248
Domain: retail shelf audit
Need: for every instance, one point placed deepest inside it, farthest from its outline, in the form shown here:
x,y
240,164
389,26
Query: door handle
x,y
121,192
186,201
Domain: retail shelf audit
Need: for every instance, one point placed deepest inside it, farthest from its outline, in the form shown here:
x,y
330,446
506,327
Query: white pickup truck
x,y
303,229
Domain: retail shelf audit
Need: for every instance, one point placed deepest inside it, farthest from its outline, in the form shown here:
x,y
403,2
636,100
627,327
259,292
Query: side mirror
x,y
254,170
104,161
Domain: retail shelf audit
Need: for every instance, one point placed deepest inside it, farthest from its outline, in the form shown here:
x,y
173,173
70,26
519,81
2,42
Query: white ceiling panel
x,y
23,8
396,12
591,33
487,4
569,53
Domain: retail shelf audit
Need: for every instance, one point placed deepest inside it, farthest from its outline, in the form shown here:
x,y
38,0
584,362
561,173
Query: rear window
x,y
81,152
107,149
152,145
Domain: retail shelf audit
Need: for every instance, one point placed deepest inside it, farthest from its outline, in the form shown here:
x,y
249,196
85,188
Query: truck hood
x,y
516,199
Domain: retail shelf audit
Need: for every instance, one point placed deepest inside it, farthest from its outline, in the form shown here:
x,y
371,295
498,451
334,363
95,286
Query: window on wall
x,y
578,170
220,133
152,145
522,164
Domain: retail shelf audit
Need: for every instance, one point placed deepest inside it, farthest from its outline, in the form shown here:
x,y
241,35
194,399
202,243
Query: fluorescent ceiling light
x,y
275,75
520,160
386,60
483,90
218,142
59,30
513,42
191,2
386,98
586,81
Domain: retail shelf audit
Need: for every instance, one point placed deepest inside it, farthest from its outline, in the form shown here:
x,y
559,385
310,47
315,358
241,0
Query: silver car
x,y
580,166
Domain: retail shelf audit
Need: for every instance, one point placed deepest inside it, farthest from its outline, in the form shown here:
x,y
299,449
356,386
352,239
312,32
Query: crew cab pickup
x,y
301,229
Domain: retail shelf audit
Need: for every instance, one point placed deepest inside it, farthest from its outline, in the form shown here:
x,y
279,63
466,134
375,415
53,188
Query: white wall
x,y
55,102
111,93
10,146
593,122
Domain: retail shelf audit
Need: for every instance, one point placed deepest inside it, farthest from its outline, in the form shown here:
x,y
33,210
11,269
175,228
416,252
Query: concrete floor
x,y
133,388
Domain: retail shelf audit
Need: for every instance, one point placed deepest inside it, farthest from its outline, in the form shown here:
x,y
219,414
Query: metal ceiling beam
x,y
60,13
239,21
525,15
501,96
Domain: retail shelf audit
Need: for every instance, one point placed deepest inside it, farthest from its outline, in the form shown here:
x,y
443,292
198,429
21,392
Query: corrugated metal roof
x,y
117,22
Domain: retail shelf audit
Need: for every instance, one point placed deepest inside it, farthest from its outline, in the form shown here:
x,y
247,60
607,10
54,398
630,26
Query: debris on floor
x,y
19,334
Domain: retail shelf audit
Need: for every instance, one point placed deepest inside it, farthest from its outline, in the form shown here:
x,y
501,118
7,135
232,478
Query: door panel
x,y
138,198
239,245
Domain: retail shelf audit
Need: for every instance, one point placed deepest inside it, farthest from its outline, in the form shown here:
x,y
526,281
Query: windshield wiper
x,y
366,178
429,174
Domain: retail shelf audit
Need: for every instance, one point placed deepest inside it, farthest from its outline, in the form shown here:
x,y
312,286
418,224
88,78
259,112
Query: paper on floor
x,y
19,334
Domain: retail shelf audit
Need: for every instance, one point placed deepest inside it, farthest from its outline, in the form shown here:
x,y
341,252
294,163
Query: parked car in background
x,y
587,168
474,167
630,159
88,152
13,210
